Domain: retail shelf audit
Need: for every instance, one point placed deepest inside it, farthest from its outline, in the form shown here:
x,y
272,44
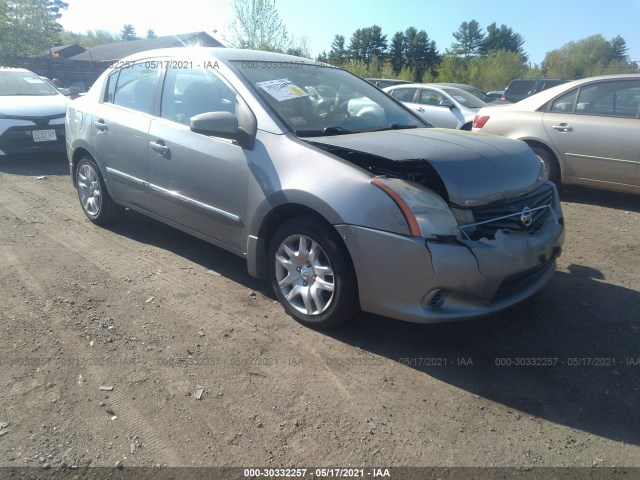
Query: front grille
x,y
21,136
507,215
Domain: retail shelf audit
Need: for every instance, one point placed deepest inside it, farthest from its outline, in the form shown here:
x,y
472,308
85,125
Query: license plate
x,y
44,135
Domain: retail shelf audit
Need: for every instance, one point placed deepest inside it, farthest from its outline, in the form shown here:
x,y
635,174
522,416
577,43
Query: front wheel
x,y
312,275
92,192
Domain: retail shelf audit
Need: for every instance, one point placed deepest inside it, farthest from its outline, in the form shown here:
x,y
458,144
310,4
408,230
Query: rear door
x,y
198,181
596,130
119,130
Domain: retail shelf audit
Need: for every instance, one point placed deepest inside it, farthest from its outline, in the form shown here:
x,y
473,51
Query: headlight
x,y
426,213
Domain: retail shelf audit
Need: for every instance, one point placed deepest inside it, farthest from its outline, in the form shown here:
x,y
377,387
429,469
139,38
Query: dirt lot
x,y
158,315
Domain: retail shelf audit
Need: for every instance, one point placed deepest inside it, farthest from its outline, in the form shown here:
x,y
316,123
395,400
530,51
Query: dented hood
x,y
475,168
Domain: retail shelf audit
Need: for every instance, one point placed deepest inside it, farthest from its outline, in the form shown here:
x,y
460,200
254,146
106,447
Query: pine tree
x,y
469,38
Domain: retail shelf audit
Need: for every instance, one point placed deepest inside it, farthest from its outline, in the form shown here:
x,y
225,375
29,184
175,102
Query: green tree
x,y
338,53
97,37
396,52
128,32
497,70
377,43
257,26
29,27
503,38
299,48
590,56
469,39
367,43
420,53
151,34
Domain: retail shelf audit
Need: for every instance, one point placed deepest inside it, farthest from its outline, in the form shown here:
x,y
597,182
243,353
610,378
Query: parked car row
x,y
339,194
332,190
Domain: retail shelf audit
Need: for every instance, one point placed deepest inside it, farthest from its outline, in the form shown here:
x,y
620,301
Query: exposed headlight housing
x,y
426,213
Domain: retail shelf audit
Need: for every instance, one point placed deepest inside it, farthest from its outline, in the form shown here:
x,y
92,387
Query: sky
x,y
544,24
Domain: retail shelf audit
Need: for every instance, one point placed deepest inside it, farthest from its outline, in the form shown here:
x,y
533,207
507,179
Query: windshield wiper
x,y
335,131
395,126
325,131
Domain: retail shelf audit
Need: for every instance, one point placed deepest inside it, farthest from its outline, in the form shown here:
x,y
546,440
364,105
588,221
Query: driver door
x,y
198,181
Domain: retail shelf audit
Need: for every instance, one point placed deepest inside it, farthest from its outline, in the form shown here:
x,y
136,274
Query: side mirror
x,y
447,103
223,125
220,124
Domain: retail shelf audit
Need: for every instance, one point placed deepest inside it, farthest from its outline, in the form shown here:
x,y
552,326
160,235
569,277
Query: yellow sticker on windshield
x,y
282,89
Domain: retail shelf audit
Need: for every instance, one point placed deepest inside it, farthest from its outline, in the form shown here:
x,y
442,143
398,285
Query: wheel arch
x,y
259,244
553,155
78,153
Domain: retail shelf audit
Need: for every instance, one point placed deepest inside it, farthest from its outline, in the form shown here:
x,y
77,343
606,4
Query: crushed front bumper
x,y
398,275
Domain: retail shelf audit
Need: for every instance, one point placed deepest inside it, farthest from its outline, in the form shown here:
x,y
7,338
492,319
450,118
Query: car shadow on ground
x,y
583,334
601,198
145,230
53,164
578,339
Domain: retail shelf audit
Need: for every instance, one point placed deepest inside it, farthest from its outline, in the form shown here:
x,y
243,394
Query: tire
x,y
312,275
550,164
94,197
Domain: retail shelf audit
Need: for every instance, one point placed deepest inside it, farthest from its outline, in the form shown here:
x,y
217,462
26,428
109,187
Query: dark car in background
x,y
32,114
521,88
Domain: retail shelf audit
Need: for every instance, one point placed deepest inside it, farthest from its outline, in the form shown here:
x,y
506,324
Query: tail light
x,y
503,97
480,120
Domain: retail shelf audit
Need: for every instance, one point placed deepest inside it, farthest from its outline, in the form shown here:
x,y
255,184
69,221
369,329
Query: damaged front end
x,y
485,254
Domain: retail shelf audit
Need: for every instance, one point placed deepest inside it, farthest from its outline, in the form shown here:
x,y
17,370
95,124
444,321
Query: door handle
x,y
563,127
101,126
160,148
420,109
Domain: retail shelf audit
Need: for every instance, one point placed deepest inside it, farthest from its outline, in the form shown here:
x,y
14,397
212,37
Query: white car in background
x,y
32,114
442,106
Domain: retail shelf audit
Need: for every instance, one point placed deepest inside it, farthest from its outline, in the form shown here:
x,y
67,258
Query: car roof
x,y
227,54
461,86
409,85
11,69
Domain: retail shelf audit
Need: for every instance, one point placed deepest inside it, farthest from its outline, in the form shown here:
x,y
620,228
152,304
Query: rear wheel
x,y
312,275
92,192
549,163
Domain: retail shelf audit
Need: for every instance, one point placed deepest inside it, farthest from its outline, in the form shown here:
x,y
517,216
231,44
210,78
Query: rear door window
x,y
404,94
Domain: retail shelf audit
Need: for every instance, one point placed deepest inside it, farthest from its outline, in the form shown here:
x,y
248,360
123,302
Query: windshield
x,y
479,94
24,83
464,98
315,100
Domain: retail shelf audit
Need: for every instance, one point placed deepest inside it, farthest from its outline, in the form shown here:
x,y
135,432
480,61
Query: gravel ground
x,y
140,345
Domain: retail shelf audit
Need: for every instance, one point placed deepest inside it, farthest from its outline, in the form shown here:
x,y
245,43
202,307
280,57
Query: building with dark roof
x,y
63,51
111,52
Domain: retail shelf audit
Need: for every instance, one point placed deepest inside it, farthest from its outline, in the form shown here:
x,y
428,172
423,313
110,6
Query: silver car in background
x,y
441,105
587,132
259,154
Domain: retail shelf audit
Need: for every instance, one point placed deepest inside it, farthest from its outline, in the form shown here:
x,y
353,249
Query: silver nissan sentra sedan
x,y
279,160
